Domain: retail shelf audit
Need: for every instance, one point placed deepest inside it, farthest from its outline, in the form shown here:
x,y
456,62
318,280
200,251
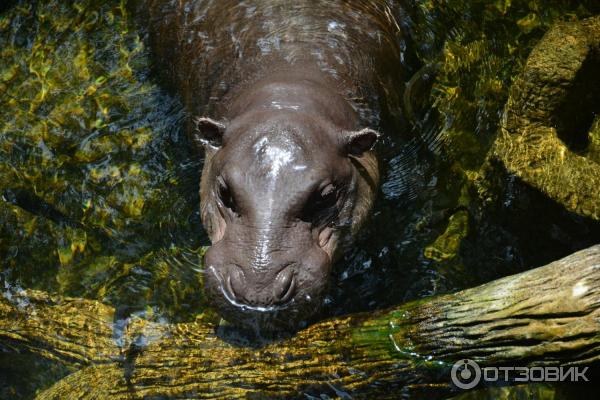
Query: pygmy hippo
x,y
286,99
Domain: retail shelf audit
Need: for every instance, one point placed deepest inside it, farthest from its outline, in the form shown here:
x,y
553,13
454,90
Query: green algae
x,y
545,133
478,49
94,186
98,197
593,149
447,245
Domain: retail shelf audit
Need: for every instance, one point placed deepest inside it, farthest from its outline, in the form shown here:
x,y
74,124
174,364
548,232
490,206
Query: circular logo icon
x,y
465,374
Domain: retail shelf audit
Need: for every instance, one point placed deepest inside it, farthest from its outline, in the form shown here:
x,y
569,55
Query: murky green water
x,y
99,185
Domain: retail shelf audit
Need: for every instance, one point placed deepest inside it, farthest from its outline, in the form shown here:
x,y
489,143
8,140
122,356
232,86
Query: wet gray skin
x,y
281,187
286,106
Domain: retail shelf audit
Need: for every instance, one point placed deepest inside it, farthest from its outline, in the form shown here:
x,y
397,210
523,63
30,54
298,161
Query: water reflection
x,y
99,183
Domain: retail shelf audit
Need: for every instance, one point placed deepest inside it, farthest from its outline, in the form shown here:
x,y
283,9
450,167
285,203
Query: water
x,y
99,183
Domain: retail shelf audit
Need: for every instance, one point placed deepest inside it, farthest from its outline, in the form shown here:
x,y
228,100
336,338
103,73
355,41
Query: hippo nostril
x,y
229,287
285,284
235,282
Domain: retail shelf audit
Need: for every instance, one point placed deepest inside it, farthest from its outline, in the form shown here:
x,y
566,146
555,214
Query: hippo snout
x,y
283,294
256,289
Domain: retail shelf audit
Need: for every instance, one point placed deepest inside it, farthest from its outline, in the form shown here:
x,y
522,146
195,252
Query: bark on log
x,y
72,331
545,316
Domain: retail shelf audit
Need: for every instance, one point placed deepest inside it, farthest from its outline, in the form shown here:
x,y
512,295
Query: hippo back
x,y
209,50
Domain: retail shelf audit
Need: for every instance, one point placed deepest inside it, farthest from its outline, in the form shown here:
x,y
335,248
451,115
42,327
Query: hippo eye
x,y
320,205
226,198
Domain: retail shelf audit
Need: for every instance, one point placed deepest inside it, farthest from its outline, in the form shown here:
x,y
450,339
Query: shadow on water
x,y
100,184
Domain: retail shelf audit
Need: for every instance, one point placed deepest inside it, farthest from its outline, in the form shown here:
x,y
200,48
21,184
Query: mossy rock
x,y
548,134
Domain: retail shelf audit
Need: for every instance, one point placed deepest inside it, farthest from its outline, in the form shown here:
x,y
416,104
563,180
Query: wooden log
x,y
545,316
72,331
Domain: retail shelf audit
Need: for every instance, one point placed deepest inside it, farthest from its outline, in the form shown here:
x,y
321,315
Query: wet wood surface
x,y
546,316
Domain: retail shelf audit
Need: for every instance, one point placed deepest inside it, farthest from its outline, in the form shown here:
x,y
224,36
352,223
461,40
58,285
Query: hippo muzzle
x,y
276,288
280,190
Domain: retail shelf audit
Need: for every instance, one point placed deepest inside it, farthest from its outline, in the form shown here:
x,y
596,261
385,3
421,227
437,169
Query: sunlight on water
x,y
99,183
99,188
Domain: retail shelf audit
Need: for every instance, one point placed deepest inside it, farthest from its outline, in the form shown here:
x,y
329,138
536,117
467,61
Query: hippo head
x,y
280,193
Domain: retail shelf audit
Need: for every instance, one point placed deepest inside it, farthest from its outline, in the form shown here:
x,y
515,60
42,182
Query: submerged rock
x,y
549,134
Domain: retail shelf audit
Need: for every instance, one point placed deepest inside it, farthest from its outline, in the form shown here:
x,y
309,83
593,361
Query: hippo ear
x,y
358,142
209,132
